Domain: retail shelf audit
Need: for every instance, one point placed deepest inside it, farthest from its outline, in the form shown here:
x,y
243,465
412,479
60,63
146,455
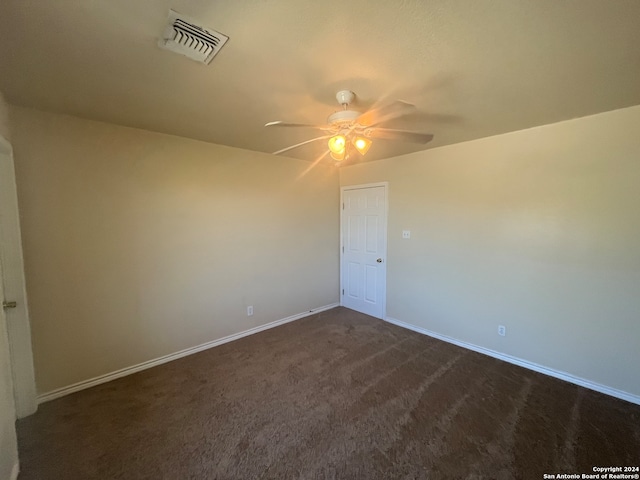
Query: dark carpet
x,y
338,395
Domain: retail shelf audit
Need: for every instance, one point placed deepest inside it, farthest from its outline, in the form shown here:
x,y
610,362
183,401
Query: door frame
x,y
18,325
384,248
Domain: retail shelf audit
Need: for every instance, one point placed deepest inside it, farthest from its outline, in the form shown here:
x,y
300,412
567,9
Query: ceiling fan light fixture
x,y
338,157
337,145
362,144
348,129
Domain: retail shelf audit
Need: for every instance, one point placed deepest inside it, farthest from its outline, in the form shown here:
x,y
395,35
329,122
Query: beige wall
x,y
537,230
140,244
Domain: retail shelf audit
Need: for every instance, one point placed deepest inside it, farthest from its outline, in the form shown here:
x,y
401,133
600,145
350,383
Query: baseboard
x,y
523,363
92,382
15,471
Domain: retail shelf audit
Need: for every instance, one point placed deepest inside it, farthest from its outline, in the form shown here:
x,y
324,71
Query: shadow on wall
x,y
4,118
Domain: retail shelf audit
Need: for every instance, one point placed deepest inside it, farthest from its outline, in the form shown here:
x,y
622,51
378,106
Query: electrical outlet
x,y
406,234
249,310
502,330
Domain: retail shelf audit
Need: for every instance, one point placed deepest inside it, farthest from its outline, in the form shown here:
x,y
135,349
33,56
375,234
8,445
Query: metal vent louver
x,y
183,36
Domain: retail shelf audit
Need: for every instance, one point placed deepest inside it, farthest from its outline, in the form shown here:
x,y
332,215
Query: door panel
x,y
363,265
371,236
353,273
370,283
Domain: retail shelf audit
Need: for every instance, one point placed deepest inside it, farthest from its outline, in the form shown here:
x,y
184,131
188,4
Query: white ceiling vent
x,y
183,36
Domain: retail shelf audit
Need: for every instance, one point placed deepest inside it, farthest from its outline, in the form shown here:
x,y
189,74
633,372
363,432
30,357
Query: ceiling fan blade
x,y
301,143
313,164
388,112
404,135
279,123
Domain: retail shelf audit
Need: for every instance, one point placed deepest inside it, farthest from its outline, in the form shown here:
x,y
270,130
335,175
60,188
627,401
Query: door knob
x,y
9,304
379,260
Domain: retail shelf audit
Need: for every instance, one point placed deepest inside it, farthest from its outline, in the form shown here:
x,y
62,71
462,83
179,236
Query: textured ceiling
x,y
474,68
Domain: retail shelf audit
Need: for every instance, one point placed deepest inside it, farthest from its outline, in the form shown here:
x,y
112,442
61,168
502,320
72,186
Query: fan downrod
x,y
345,116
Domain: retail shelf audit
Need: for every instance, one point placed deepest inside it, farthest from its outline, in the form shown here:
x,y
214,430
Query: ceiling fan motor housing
x,y
343,116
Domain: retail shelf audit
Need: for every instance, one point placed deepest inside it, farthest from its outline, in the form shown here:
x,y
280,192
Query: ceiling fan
x,y
349,132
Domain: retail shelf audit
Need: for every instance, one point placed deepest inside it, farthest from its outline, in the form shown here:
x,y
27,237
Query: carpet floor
x,y
338,395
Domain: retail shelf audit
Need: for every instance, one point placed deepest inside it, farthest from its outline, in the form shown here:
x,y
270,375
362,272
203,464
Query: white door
x,y
18,329
363,256
9,452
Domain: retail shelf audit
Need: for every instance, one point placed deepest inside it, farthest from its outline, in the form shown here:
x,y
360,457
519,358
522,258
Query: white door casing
x,y
363,248
18,326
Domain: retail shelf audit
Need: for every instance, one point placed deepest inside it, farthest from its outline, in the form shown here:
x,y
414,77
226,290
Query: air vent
x,y
183,36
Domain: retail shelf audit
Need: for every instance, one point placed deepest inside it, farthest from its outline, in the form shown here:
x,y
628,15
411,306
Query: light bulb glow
x,y
337,144
362,144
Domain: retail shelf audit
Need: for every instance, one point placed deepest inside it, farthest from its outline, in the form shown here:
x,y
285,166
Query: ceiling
x,y
473,68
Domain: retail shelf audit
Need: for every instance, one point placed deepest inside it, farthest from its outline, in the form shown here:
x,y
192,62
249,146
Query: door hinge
x,y
343,291
343,205
342,248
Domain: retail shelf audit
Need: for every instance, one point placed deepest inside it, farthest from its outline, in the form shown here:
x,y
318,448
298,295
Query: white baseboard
x,y
523,363
15,471
92,382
